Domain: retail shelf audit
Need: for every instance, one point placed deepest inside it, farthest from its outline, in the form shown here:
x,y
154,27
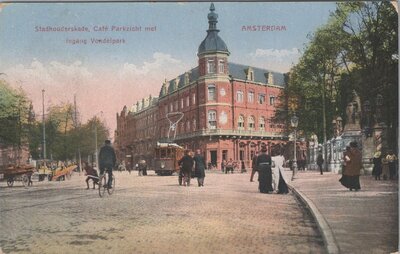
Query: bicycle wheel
x,y
111,190
102,185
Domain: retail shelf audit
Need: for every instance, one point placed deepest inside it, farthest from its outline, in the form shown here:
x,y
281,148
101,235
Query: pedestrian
x,y
223,163
264,163
351,175
253,166
142,167
391,158
199,168
280,183
107,160
186,162
229,166
385,168
320,162
91,174
243,167
377,169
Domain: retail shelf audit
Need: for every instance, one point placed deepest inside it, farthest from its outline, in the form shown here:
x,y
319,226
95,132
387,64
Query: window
x,y
221,66
194,124
262,123
251,123
212,119
261,98
176,105
250,96
241,122
182,103
171,107
211,92
251,76
187,101
239,96
187,126
272,100
210,66
194,99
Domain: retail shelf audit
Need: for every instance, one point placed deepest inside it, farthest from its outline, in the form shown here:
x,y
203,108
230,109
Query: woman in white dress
x,y
280,185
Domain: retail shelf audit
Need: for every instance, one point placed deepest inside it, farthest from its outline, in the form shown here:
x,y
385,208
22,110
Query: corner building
x,y
227,109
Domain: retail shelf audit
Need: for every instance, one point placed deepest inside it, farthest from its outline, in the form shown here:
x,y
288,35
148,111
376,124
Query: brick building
x,y
227,108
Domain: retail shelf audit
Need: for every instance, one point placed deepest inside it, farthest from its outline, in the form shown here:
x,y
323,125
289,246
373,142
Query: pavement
x,y
153,214
364,221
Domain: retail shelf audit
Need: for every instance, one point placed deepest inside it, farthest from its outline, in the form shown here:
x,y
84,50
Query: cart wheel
x,y
10,182
25,180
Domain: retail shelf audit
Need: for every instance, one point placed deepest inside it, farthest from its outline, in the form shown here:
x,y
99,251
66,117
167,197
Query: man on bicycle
x,y
107,160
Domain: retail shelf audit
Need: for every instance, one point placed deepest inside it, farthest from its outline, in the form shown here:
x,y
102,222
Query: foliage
x,y
355,50
15,116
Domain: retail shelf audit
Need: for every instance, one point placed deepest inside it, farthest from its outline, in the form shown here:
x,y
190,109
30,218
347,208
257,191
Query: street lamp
x,y
44,128
294,121
95,140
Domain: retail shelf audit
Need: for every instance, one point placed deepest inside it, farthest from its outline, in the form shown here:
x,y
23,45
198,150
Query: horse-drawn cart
x,y
17,173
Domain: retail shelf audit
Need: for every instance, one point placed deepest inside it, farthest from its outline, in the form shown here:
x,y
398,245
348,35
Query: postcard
x,y
161,127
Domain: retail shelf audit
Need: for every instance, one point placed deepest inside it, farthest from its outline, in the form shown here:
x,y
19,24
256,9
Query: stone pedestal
x,y
368,152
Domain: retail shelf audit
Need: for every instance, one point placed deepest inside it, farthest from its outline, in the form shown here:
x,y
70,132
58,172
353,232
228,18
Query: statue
x,y
353,113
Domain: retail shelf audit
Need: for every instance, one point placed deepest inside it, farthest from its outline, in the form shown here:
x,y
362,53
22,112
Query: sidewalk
x,y
365,221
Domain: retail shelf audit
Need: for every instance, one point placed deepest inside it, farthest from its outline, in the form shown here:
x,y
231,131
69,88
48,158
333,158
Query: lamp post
x,y
294,121
95,140
44,128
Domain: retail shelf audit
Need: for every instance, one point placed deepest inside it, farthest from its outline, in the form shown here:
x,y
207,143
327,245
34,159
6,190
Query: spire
x,y
212,19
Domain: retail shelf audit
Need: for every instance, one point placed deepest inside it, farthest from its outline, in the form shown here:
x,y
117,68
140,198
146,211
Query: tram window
x,y
163,153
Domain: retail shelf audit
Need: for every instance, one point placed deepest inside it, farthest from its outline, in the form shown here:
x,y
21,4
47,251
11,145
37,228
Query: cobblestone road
x,y
154,214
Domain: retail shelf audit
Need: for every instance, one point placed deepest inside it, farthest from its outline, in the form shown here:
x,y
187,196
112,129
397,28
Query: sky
x,y
106,76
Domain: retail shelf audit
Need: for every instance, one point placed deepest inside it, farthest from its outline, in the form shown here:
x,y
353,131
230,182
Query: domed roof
x,y
212,42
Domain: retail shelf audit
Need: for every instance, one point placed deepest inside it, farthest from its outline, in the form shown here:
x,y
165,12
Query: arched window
x,y
187,126
251,122
250,97
212,119
241,122
239,96
261,122
194,124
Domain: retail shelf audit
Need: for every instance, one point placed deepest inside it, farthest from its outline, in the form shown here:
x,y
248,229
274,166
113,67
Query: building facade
x,y
225,109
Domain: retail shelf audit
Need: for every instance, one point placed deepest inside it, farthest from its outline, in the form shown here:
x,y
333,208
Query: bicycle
x,y
103,184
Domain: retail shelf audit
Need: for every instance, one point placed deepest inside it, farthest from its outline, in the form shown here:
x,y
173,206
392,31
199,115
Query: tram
x,y
166,157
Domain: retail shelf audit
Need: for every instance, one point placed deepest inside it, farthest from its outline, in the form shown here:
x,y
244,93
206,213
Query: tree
x,y
355,50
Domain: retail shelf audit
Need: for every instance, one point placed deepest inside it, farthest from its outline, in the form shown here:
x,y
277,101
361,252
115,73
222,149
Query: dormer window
x,y
210,66
251,76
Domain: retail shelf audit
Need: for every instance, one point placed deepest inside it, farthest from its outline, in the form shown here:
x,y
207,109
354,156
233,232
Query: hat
x,y
353,144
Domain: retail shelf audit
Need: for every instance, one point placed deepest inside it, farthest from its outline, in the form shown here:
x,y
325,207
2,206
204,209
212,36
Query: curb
x,y
323,226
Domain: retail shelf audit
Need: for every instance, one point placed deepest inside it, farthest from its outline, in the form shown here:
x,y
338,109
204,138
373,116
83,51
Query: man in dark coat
x,y
264,163
186,164
320,161
199,167
107,160
253,166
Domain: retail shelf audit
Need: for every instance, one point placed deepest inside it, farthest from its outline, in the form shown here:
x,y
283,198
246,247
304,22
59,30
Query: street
x,y
153,214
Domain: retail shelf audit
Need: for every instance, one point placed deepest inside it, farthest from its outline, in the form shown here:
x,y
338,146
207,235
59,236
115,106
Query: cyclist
x,y
107,160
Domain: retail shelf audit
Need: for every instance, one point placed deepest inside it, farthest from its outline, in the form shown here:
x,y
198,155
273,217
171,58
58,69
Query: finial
x,y
212,8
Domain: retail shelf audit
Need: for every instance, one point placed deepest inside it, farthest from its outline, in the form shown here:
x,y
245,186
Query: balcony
x,y
229,133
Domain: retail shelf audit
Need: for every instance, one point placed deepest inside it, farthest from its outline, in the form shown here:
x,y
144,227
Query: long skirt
x,y
351,182
282,186
265,179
